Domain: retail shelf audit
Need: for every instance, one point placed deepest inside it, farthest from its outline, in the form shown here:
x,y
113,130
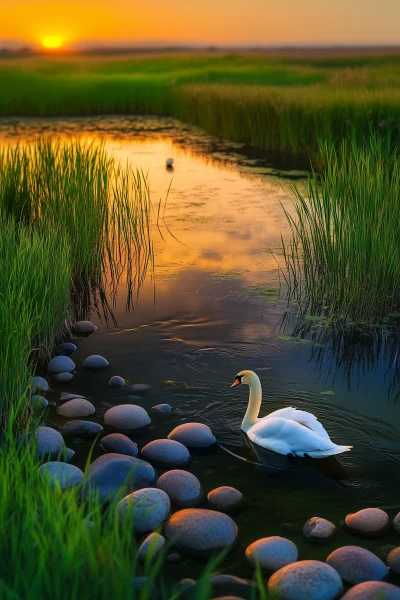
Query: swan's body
x,y
285,431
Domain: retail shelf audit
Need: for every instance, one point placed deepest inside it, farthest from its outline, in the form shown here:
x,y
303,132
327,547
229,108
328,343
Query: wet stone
x,y
39,401
60,364
148,508
127,417
139,388
116,381
193,435
39,384
355,565
306,580
67,348
63,377
49,442
119,443
95,361
373,590
112,473
200,532
69,396
225,499
166,453
318,529
369,522
396,523
393,560
151,546
272,553
82,429
162,409
182,487
62,474
66,454
231,586
76,408
84,327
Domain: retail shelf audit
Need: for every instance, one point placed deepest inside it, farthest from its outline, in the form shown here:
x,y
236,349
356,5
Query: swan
x,y
286,431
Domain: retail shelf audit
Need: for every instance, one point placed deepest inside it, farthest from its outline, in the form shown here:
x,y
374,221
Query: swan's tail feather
x,y
331,452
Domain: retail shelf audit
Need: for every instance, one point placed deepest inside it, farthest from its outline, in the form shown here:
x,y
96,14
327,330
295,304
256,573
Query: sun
x,y
52,42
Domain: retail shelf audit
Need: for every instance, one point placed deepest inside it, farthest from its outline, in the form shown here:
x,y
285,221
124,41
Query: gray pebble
x,y
84,327
396,523
231,586
373,590
60,364
68,396
49,442
162,409
82,429
63,377
166,453
147,508
151,546
319,529
139,388
355,565
369,522
119,443
62,474
225,499
39,401
193,435
67,348
306,580
76,408
116,381
272,553
95,361
39,384
182,487
393,560
66,454
127,417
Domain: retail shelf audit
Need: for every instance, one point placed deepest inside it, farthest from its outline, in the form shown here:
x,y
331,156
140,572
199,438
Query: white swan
x,y
286,431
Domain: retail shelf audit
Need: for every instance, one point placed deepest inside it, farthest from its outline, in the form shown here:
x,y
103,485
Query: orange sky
x,y
214,21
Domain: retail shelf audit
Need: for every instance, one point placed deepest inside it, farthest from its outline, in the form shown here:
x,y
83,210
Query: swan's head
x,y
243,377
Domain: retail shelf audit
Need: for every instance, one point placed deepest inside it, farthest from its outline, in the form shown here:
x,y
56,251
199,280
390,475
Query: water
x,y
214,307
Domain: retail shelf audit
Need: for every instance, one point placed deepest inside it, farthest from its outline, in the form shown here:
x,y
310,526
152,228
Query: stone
x,y
162,409
369,522
116,381
166,453
318,529
66,454
67,348
186,587
306,580
83,327
76,408
68,396
39,401
396,523
95,361
120,444
231,586
373,590
139,388
61,474
127,417
112,473
39,384
272,553
193,435
63,377
393,560
225,499
148,508
169,162
182,487
174,557
355,565
82,429
49,442
60,364
200,532
151,546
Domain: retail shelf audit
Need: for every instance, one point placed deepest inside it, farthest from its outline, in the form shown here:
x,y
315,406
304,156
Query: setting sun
x,y
52,42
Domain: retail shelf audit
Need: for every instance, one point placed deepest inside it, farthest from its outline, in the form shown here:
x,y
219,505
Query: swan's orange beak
x,y
236,382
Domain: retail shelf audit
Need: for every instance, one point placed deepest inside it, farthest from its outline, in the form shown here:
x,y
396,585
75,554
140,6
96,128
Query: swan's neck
x,y
254,406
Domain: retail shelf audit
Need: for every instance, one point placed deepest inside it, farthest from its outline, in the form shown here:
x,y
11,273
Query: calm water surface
x,y
213,308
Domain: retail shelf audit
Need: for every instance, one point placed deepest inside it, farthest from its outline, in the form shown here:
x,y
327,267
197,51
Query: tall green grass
x,y
344,255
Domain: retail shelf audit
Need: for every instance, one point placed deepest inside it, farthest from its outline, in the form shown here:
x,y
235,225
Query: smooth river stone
x,y
60,364
272,553
120,444
318,529
76,408
127,417
306,580
116,381
62,474
166,453
67,348
113,472
151,546
396,523
200,532
355,565
369,522
63,377
169,162
139,388
82,429
393,560
39,401
84,327
147,508
373,590
66,455
225,499
68,396
193,435
39,384
49,442
95,361
229,586
162,409
182,487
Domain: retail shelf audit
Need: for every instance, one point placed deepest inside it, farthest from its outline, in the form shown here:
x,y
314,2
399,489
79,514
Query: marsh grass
x,y
343,256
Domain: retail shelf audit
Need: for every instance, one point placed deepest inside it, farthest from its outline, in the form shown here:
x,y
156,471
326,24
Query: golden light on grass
x,y
52,42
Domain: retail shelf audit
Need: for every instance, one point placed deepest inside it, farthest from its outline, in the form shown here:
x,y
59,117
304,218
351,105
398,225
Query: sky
x,y
203,21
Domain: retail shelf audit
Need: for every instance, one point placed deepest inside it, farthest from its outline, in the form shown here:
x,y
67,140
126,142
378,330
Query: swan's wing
x,y
286,436
304,418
